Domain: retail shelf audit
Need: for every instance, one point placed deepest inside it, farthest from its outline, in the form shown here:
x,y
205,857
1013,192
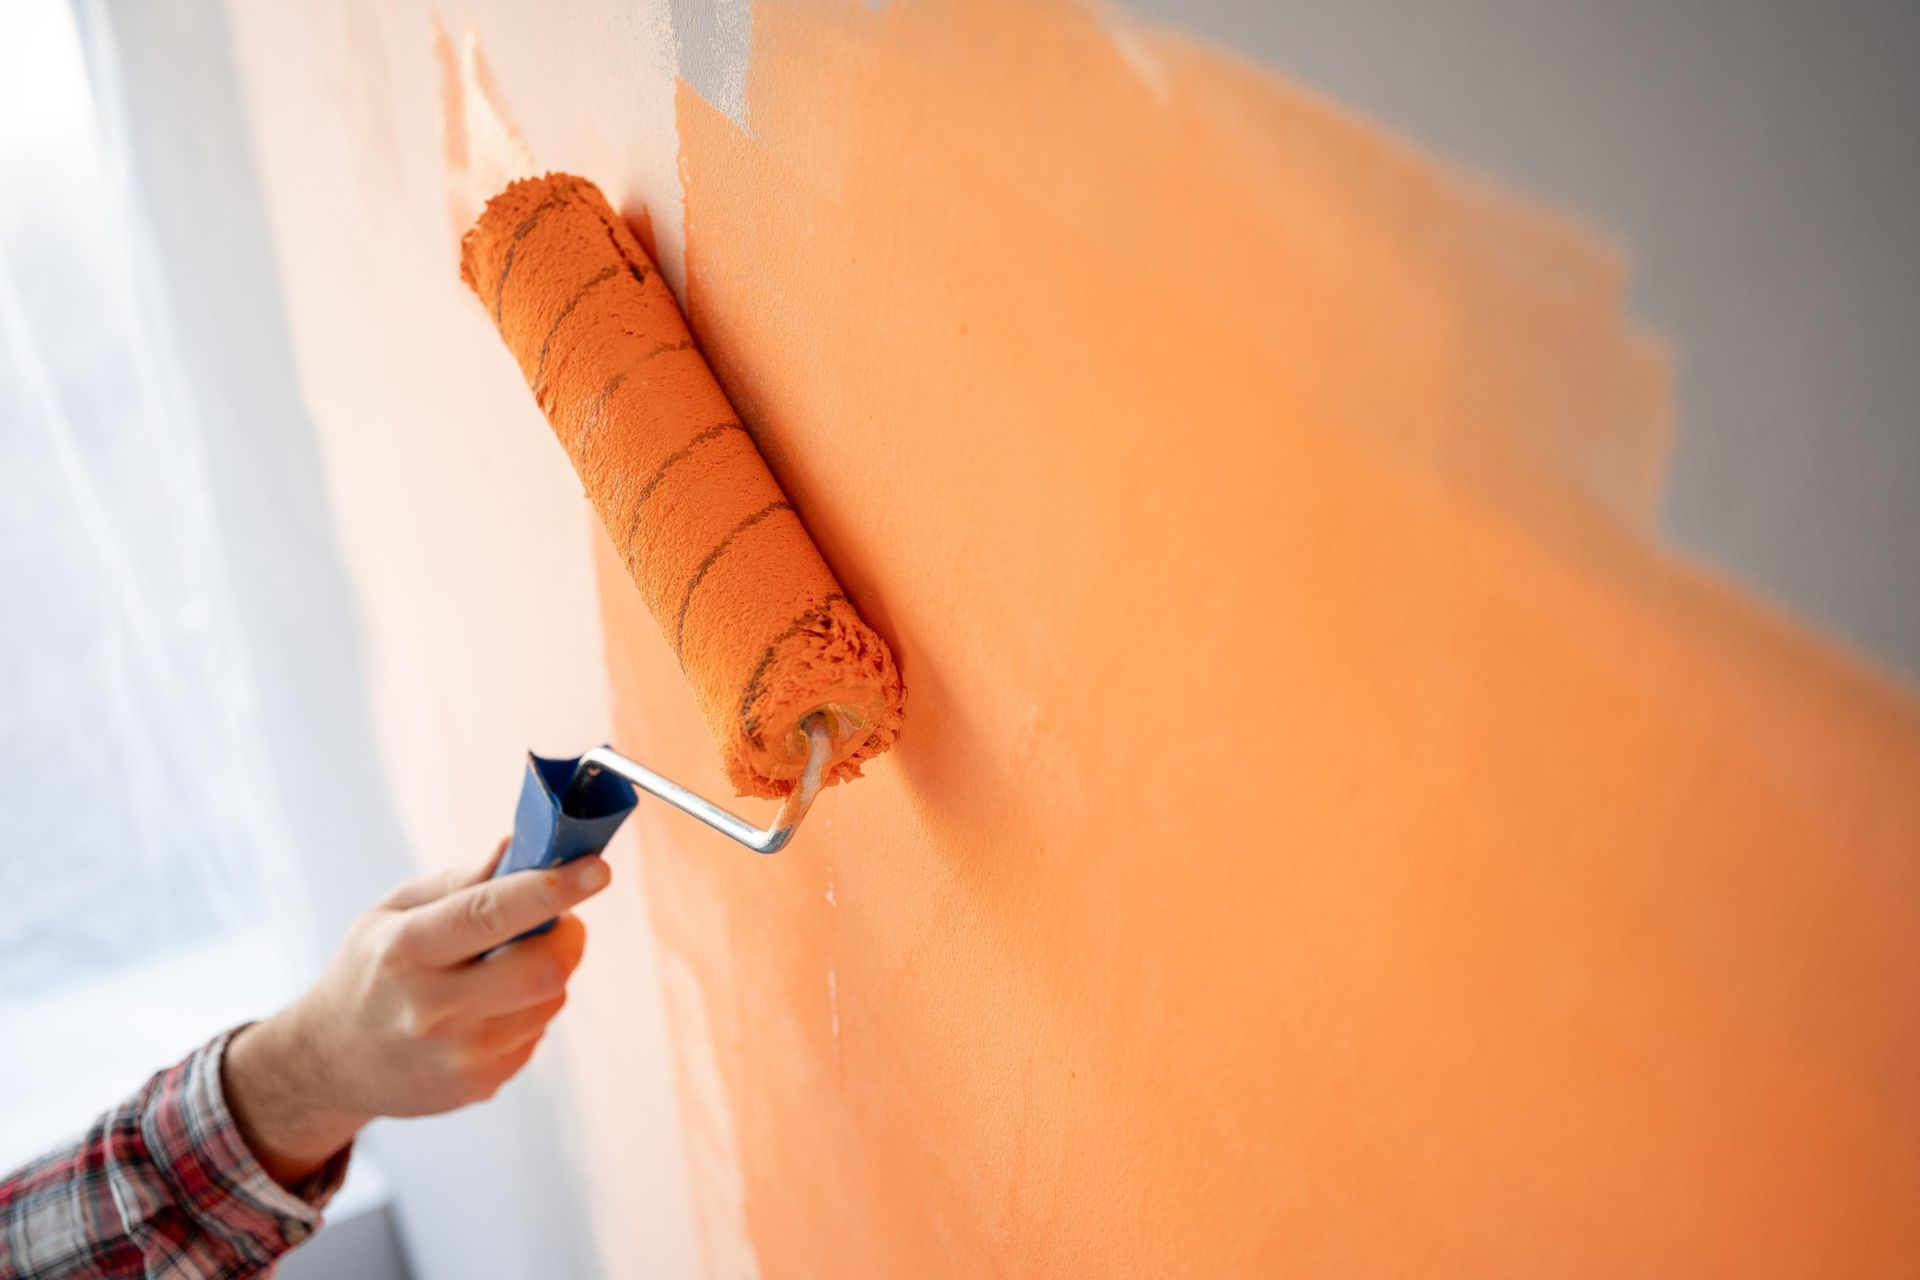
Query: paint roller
x,y
796,688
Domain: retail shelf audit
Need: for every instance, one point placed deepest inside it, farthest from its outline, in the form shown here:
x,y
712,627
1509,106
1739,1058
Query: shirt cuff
x,y
192,1135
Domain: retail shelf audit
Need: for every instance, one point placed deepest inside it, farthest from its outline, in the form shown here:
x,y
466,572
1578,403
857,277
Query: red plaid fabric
x,y
161,1186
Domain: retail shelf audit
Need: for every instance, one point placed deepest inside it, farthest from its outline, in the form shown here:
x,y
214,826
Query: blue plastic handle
x,y
548,832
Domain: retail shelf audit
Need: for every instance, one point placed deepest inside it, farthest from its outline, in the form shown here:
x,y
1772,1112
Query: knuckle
x,y
391,939
464,1057
483,911
414,1021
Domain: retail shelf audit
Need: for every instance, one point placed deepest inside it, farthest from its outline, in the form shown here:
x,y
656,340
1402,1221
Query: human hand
x,y
411,1017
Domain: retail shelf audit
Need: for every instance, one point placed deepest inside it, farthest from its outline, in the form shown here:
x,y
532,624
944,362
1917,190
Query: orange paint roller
x,y
797,690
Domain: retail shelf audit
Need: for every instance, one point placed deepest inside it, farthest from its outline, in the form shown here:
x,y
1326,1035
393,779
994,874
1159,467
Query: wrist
x,y
284,1098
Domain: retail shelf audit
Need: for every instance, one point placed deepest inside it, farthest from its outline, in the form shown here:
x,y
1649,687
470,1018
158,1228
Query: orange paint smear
x,y
763,631
1333,842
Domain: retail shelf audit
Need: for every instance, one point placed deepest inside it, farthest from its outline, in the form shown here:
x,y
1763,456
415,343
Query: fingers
x,y
505,1068
463,924
497,1037
439,884
522,976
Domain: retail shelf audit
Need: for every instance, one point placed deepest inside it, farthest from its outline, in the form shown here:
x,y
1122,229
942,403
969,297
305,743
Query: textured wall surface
x,y
1328,835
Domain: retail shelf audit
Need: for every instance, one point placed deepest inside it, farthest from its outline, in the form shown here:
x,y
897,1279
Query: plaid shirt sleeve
x,y
162,1185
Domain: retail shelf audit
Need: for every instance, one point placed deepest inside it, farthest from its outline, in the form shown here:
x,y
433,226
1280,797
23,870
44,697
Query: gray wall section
x,y
711,42
1761,163
501,1164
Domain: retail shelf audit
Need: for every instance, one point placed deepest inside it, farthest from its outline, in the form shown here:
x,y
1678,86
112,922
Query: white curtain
x,y
135,832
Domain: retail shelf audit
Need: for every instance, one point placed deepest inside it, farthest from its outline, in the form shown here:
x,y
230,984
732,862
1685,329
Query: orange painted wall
x,y
1328,836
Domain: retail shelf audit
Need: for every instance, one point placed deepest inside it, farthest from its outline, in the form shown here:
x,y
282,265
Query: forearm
x,y
222,1163
281,1085
163,1183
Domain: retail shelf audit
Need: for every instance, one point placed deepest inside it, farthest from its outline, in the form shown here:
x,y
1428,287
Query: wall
x,y
313,623
465,540
1329,836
